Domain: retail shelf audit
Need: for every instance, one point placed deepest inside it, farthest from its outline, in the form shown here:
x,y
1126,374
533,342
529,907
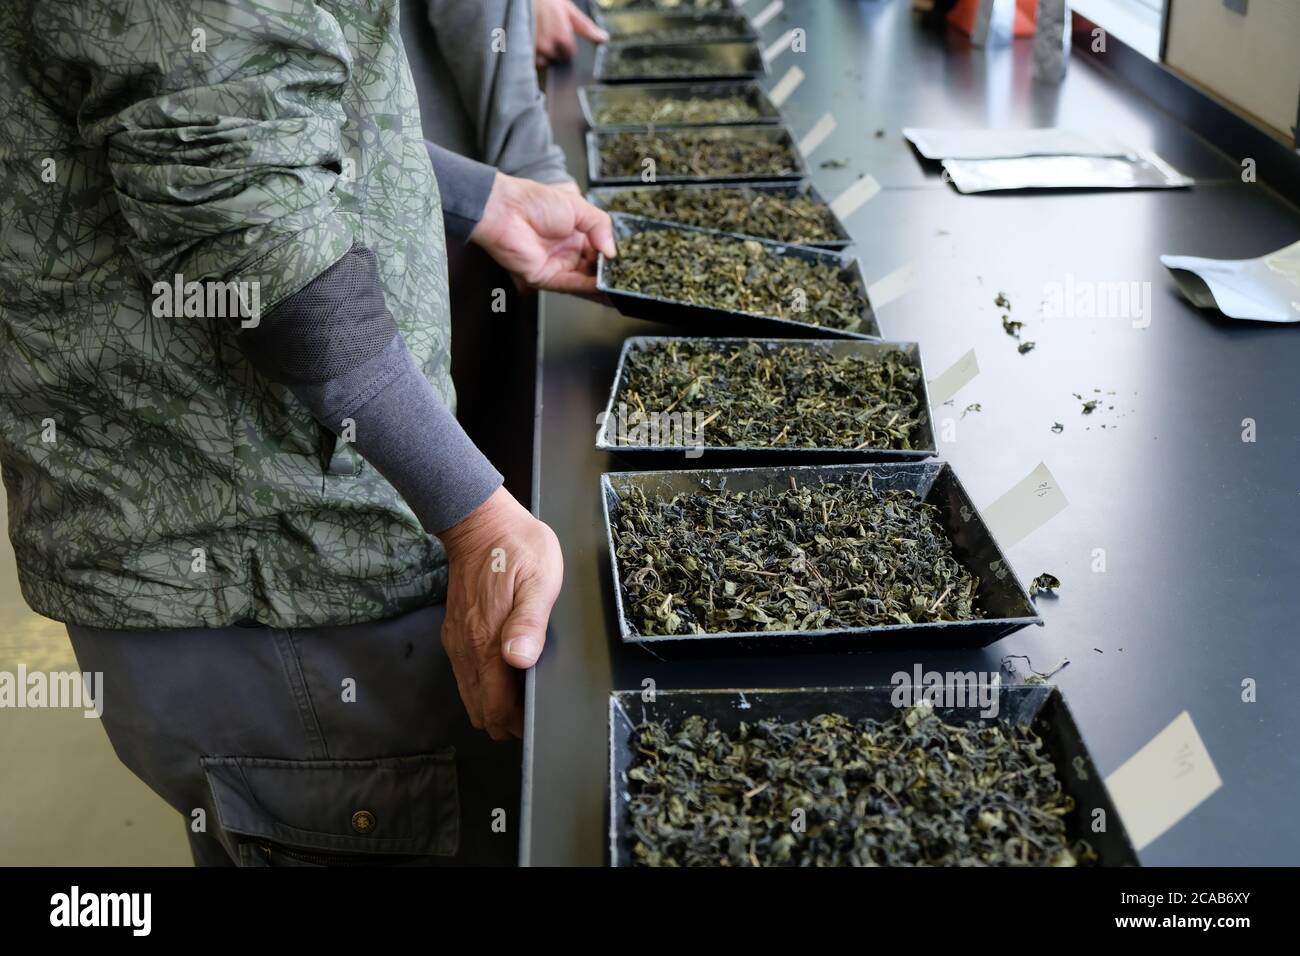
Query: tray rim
x,y
598,67
846,262
630,637
883,344
594,178
772,116
616,697
728,11
805,184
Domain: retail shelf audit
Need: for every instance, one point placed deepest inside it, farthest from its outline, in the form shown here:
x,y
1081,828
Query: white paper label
x,y
954,380
787,84
764,16
779,47
817,135
847,202
895,285
1033,502
1163,782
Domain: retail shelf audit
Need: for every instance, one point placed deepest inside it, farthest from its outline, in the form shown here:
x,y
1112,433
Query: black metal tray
x,y
636,26
653,456
725,60
600,196
592,98
1042,707
601,10
703,319
999,595
780,134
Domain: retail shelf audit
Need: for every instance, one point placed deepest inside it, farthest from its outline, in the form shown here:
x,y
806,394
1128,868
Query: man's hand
x,y
546,235
554,24
505,570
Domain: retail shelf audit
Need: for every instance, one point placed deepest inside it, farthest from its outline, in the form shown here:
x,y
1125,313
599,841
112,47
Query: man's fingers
x,y
571,282
524,633
503,716
584,26
466,671
596,224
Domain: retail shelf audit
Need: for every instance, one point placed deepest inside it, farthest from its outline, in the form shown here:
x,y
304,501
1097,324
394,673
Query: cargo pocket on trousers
x,y
387,811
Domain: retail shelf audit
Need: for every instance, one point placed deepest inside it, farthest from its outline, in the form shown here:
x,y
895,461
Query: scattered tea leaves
x,y
972,407
1058,427
695,152
910,791
1002,302
834,163
838,555
1026,346
1044,582
688,31
1012,328
779,395
740,275
665,6
740,209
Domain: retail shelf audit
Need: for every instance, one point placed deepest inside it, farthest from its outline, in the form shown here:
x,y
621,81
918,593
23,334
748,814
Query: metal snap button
x,y
363,821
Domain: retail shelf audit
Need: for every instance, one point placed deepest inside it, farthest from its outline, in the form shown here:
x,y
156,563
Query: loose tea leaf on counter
x,y
740,275
910,791
767,395
695,152
838,555
1044,582
649,110
742,209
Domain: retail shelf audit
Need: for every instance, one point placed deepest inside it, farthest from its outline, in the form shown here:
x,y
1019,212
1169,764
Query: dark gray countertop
x,y
1199,528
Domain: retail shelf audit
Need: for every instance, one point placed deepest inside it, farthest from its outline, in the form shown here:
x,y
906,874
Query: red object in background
x,y
962,16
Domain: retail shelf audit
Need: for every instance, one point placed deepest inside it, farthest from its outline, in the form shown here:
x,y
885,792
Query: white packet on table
x,y
1010,143
1266,289
1141,171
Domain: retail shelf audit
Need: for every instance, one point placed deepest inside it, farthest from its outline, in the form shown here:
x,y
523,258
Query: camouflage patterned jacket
x,y
154,479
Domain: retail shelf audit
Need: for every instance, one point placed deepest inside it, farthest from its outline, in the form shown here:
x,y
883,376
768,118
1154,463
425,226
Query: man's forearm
x,y
465,185
336,345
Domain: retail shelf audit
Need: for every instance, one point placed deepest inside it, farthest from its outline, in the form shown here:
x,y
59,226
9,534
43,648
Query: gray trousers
x,y
313,747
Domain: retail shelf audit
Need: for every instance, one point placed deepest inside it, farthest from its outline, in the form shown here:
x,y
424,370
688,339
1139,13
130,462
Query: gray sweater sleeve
x,y
337,347
488,48
464,186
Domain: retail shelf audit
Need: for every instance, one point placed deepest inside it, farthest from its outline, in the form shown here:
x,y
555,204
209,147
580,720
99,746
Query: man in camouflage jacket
x,y
226,431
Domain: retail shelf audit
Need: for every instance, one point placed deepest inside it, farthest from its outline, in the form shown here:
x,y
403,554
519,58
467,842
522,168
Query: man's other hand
x,y
504,573
548,236
556,25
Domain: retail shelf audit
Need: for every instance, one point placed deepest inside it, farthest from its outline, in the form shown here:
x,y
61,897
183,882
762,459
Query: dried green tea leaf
x,y
972,407
834,163
830,791
739,275
649,110
1010,327
741,209
1002,302
838,555
1044,582
1024,347
778,395
1058,427
687,31
695,152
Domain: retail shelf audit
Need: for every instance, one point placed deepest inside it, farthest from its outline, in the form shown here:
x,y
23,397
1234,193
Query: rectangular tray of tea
x,y
643,62
651,26
718,283
602,10
814,558
1046,820
696,402
693,154
793,212
631,106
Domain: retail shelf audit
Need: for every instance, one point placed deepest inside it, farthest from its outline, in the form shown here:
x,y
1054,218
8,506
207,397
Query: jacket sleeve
x,y
224,161
488,46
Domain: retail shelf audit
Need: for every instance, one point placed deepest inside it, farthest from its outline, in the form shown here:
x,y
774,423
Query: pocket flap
x,y
391,805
